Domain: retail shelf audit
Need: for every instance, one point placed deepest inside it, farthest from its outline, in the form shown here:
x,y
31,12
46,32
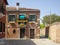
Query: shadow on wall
x,y
42,37
19,42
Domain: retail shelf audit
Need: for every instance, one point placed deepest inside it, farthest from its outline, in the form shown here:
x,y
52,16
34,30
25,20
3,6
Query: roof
x,y
20,9
6,2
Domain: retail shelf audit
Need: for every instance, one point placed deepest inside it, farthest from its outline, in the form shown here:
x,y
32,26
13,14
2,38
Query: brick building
x,y
3,4
22,23
54,32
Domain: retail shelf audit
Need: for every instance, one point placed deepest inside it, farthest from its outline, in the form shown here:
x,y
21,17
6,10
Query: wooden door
x,y
22,33
31,33
2,30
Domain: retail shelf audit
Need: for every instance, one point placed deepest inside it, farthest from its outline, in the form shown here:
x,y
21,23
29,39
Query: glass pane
x,y
11,18
0,27
32,18
3,27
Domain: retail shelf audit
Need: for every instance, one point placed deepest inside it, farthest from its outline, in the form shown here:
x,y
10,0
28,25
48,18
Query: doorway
x,y
32,33
2,30
22,32
47,32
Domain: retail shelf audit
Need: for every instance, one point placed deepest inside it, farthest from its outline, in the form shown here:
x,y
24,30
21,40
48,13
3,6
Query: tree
x,y
49,19
42,26
58,19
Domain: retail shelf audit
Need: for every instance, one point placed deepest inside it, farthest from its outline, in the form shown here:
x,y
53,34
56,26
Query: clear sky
x,y
43,5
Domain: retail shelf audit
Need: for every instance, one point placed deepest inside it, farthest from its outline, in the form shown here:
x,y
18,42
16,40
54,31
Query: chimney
x,y
17,6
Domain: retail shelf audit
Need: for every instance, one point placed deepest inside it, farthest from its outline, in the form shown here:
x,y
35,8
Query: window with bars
x,y
32,17
3,27
0,26
11,18
2,8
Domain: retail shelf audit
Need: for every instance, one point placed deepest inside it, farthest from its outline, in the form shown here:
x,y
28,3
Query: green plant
x,y
49,38
42,26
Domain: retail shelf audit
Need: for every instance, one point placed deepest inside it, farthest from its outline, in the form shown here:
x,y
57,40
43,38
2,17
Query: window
x,y
22,17
32,17
0,26
2,8
11,17
3,27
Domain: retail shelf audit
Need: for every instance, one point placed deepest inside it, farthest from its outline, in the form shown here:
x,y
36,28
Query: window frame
x,y
1,26
34,31
32,20
21,14
11,15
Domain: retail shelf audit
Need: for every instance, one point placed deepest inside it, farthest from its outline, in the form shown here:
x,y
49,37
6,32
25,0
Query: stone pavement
x,y
44,42
27,42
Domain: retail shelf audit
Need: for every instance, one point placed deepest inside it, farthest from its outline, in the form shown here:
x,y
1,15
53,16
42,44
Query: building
x,y
3,4
22,23
54,32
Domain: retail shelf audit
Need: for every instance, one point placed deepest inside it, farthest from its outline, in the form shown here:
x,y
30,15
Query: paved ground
x,y
28,42
44,42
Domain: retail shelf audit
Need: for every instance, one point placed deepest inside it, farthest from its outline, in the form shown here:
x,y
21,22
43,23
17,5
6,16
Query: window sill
x,y
32,22
12,22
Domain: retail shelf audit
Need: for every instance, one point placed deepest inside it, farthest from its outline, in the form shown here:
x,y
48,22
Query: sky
x,y
45,6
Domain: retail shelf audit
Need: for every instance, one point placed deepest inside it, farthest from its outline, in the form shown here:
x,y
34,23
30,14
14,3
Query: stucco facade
x,y
3,4
29,30
54,32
